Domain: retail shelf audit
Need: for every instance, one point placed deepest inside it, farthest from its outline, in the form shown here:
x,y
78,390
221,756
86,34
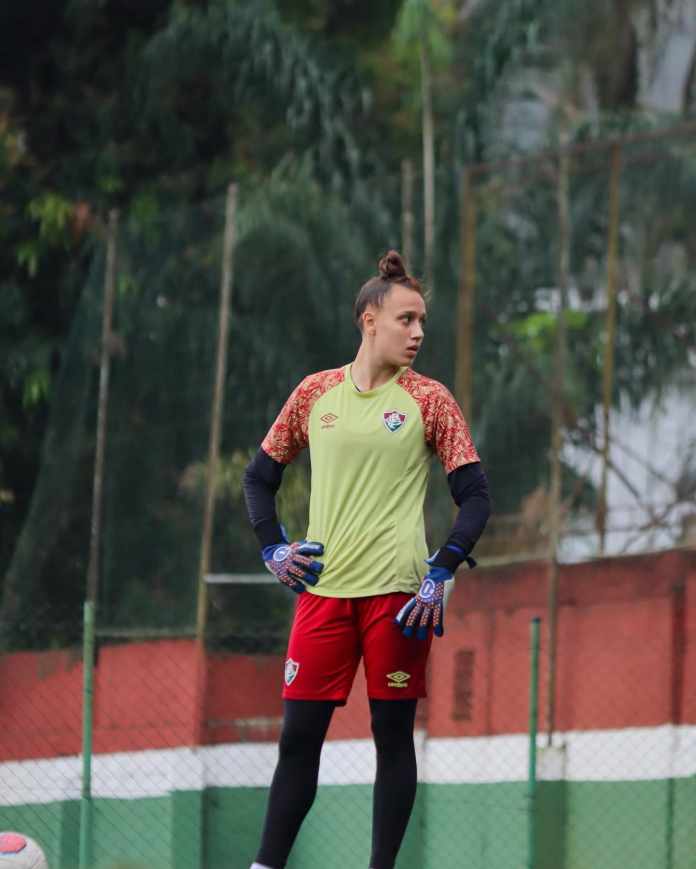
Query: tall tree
x,y
420,25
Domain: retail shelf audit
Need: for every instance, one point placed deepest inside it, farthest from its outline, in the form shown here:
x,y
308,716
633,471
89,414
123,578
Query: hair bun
x,y
391,266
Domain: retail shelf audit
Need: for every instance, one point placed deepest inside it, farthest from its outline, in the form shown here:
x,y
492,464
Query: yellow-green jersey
x,y
370,455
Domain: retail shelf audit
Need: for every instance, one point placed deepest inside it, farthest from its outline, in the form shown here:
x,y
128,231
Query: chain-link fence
x,y
591,238
185,744
576,364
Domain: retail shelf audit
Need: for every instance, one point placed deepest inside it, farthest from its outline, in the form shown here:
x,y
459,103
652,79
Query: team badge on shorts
x,y
291,668
394,420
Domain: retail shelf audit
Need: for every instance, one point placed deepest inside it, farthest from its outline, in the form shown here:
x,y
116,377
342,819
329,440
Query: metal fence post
x,y
85,856
610,337
533,715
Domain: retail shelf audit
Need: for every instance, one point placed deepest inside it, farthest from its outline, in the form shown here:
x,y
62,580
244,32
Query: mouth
x,y
412,350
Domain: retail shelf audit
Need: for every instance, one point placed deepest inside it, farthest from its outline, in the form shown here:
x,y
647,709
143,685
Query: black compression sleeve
x,y
469,487
261,481
396,779
294,784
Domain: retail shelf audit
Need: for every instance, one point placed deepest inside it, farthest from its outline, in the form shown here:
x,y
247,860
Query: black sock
x,y
395,784
294,784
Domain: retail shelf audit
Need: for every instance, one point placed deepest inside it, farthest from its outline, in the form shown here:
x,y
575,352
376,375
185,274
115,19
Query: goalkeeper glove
x,y
291,564
427,608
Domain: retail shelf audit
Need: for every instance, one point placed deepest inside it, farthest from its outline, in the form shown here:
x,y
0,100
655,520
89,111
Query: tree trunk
x,y
428,167
557,396
407,219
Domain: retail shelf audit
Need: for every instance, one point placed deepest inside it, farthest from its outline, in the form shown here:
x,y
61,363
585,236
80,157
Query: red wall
x,y
626,657
626,645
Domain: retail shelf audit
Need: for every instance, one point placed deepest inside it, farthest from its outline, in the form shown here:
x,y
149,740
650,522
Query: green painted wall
x,y
233,820
134,833
583,825
480,826
682,827
550,834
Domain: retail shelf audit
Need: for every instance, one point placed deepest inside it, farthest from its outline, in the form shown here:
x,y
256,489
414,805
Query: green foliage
x,y
52,212
53,215
310,106
270,92
36,387
498,38
538,330
424,22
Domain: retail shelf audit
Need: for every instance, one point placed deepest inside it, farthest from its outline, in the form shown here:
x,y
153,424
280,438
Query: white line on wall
x,y
630,754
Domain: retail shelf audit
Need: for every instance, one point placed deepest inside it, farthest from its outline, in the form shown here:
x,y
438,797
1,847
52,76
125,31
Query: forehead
x,y
404,299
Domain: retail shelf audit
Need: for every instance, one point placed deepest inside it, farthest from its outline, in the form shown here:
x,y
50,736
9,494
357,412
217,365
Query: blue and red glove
x,y
291,563
427,608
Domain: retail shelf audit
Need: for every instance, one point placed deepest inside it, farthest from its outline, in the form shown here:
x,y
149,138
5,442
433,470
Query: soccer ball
x,y
18,851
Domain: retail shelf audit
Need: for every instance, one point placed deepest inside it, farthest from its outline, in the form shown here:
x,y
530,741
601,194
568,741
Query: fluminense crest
x,y
291,668
394,420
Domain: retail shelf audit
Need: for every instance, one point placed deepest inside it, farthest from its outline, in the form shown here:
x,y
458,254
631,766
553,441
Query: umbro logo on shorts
x,y
399,679
394,420
291,668
328,420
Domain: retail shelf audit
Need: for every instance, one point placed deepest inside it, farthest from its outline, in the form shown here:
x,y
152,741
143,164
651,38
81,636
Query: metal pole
x,y
557,394
104,374
407,218
533,716
428,166
85,855
217,408
467,292
213,456
610,339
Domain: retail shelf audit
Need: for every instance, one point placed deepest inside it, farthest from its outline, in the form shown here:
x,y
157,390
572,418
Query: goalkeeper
x,y
366,586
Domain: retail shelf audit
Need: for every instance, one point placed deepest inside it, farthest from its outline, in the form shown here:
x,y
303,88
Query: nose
x,y
417,332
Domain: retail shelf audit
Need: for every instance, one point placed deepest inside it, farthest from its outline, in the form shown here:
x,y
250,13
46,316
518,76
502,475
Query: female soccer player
x,y
371,428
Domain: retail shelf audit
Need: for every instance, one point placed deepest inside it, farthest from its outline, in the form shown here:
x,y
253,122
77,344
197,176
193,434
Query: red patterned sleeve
x,y
446,431
289,434
450,436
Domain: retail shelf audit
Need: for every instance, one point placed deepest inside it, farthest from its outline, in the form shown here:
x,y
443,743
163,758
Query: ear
x,y
368,322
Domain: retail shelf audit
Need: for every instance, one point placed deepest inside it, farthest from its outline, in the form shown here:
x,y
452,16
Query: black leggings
x,y
294,785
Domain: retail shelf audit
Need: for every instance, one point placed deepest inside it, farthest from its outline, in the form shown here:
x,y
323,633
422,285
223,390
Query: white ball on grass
x,y
18,851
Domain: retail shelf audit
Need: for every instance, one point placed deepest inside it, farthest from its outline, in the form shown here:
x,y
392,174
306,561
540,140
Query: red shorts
x,y
329,636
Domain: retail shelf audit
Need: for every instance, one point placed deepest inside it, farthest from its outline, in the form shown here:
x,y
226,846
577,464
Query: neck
x,y
369,373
